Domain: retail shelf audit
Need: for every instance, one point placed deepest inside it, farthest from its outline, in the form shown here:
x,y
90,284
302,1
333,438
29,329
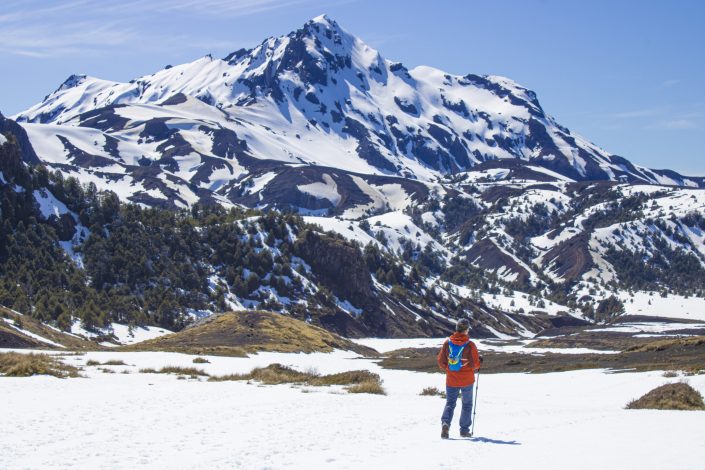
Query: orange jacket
x,y
470,360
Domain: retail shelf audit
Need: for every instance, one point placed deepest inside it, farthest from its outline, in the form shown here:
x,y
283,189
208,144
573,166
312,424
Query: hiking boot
x,y
444,431
465,434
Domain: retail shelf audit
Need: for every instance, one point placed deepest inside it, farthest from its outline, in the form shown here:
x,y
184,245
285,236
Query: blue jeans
x,y
466,411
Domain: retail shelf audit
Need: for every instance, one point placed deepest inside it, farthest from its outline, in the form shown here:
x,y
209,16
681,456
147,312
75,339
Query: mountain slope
x,y
239,333
213,129
438,195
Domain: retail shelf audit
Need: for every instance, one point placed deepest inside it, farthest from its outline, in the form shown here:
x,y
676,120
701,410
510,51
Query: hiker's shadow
x,y
487,440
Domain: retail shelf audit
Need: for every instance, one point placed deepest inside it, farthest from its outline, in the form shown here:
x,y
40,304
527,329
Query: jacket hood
x,y
459,338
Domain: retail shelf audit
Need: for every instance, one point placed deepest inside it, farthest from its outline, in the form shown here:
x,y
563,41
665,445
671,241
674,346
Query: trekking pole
x,y
474,403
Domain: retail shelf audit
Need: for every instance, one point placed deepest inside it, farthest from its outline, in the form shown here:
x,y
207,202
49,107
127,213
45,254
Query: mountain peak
x,y
73,81
324,19
323,23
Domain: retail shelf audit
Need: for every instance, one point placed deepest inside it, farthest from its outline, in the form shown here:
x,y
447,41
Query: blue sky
x,y
628,75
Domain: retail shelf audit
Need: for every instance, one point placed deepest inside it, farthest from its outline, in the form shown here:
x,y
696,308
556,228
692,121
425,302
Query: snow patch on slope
x,y
325,190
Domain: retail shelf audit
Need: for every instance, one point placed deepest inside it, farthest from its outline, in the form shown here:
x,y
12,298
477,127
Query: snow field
x,y
559,420
672,306
122,333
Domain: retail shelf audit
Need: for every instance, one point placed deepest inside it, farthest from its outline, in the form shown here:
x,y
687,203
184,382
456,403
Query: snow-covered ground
x,y
384,345
672,306
124,334
549,421
652,327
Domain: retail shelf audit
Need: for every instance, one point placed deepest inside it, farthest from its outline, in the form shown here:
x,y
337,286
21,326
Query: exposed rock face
x,y
486,255
10,127
570,259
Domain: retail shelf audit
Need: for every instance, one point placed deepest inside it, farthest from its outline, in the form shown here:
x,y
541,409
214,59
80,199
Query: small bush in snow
x,y
114,362
370,386
432,392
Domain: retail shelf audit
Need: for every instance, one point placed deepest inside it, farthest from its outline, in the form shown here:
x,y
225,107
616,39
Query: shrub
x,y
114,362
25,365
201,360
278,374
189,371
346,378
228,378
369,386
678,396
669,374
432,391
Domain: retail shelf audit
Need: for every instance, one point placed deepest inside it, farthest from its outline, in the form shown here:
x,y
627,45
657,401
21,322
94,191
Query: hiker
x,y
459,359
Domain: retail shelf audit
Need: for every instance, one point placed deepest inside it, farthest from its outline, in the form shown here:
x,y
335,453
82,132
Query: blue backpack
x,y
455,353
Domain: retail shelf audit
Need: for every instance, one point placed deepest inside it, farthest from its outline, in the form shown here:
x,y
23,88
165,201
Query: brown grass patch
x,y
201,360
432,392
358,381
113,362
240,333
666,344
678,396
353,377
189,371
25,365
370,386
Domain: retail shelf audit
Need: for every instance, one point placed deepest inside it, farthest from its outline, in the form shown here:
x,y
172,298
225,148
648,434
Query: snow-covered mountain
x,y
464,181
247,128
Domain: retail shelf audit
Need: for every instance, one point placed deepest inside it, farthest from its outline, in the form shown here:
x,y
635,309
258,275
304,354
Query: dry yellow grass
x,y
665,344
432,392
189,371
113,362
25,365
240,333
677,396
370,386
358,381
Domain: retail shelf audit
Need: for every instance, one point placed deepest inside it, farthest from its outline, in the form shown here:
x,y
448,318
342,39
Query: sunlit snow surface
x,y
563,420
123,334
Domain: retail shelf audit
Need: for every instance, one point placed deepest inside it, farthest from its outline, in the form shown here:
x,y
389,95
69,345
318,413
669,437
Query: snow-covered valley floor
x,y
549,421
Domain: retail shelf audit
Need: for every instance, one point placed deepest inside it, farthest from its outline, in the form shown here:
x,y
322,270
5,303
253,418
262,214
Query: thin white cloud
x,y
81,36
674,125
670,83
30,28
636,114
